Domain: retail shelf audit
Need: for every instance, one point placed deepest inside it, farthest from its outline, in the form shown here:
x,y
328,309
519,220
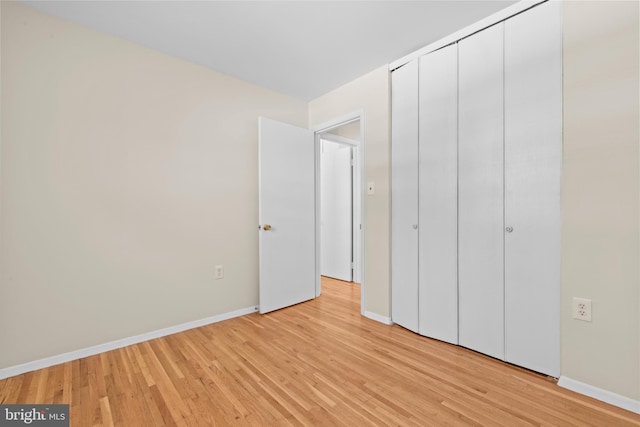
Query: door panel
x,y
404,201
533,162
336,216
481,168
287,205
438,194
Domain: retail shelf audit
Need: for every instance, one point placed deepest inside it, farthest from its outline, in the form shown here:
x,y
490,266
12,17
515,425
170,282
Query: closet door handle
x,y
509,229
415,226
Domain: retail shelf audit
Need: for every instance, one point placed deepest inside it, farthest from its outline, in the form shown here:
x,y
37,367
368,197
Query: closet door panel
x,y
404,199
481,168
533,162
438,274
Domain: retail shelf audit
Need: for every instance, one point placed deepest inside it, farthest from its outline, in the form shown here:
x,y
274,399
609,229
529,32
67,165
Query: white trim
x,y
360,148
490,20
378,318
600,394
113,345
317,146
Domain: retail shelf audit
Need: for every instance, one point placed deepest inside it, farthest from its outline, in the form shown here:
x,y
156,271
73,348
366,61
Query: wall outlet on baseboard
x,y
581,309
219,271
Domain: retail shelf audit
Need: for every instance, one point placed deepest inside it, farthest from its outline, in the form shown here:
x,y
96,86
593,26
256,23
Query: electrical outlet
x,y
219,271
582,309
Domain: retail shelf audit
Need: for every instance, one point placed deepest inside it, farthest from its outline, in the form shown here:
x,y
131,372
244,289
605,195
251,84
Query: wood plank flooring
x,y
316,363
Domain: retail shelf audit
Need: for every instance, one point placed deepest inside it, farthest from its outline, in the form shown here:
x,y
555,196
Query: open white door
x,y
286,215
336,213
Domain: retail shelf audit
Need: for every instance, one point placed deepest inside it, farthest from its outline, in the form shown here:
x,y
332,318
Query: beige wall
x,y
126,176
600,257
370,93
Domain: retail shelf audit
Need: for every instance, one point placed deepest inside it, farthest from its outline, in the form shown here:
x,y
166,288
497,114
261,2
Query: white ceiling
x,y
300,48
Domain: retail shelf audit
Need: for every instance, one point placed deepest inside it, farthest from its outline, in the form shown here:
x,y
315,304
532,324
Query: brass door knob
x,y
266,227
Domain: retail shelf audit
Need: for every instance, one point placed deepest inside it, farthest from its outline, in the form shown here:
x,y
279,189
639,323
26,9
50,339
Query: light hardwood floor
x,y
316,363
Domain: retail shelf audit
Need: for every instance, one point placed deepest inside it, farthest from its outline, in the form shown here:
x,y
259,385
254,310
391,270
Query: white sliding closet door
x,y
404,201
533,162
438,312
480,220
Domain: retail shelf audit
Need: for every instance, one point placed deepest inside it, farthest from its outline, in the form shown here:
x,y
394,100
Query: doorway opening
x,y
339,203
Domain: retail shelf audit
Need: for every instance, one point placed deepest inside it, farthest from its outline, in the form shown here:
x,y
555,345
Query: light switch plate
x,y
219,271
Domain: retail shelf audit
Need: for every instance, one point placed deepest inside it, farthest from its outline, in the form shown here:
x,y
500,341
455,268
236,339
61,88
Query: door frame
x,y
319,130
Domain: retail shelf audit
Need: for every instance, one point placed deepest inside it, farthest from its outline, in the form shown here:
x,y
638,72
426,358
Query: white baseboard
x,y
600,394
378,318
112,345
